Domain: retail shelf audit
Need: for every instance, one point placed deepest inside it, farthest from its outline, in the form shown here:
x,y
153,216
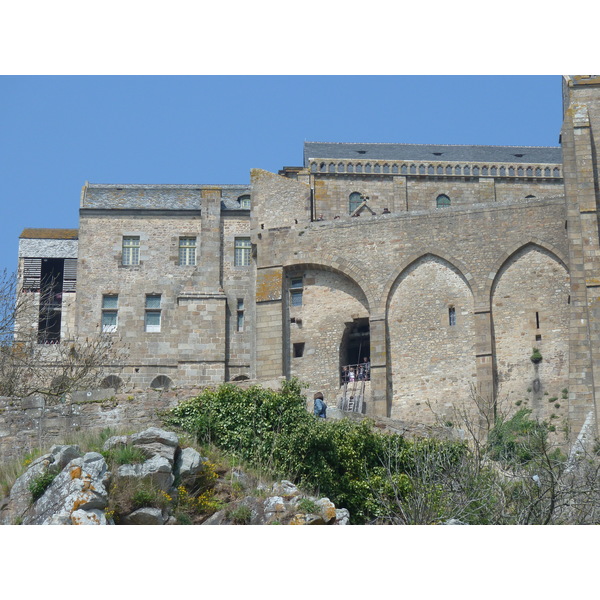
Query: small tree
x,y
28,366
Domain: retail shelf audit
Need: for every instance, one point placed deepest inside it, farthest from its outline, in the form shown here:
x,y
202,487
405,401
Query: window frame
x,y
240,316
242,251
353,203
245,201
154,311
109,310
296,291
187,253
130,251
443,201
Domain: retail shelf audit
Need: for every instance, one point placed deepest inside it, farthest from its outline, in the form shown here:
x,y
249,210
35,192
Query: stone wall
x,y
34,422
401,193
198,342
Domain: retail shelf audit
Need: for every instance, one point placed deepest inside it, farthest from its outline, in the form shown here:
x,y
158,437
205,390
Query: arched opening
x,y
111,382
355,348
162,382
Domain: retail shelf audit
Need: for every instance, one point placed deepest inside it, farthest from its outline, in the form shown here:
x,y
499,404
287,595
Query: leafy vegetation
x,y
38,485
346,461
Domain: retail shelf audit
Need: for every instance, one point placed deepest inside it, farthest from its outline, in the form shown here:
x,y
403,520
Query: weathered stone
x,y
157,470
326,510
189,463
286,489
145,516
92,516
80,485
156,442
342,516
274,504
115,441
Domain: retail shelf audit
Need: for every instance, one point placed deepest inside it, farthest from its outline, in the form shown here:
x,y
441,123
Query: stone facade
x,y
445,266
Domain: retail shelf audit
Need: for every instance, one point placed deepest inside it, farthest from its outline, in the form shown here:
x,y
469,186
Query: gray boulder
x,y
80,486
156,470
189,464
156,442
145,516
20,499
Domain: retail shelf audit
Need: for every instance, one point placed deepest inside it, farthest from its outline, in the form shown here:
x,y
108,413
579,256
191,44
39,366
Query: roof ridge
x,y
449,145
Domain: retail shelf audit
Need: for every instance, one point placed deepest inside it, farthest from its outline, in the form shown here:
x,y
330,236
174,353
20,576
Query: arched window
x,y
162,382
442,201
244,201
355,201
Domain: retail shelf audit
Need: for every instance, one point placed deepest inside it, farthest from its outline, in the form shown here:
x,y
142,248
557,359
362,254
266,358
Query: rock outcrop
x,y
70,487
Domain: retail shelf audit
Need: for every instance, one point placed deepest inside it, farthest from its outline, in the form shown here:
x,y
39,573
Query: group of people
x,y
359,372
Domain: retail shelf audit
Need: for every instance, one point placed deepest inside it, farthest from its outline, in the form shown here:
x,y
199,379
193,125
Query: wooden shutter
x,y
70,275
32,271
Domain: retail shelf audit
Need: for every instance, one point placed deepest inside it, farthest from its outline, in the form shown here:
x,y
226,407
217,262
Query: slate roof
x,y
430,152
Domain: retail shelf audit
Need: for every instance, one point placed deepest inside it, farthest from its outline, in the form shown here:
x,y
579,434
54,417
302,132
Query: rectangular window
x,y
242,252
298,350
131,250
153,313
110,304
240,314
451,316
296,289
187,251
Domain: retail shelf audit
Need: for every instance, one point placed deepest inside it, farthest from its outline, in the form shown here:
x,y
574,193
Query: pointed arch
x,y
336,264
459,266
507,256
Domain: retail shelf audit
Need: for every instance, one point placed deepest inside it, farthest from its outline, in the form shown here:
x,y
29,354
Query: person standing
x,y
320,408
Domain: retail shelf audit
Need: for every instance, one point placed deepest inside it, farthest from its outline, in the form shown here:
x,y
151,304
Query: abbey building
x,y
431,271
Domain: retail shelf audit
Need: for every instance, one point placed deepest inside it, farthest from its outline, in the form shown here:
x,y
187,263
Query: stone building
x,y
444,266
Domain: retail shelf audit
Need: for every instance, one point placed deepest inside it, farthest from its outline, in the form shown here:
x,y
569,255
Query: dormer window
x,y
244,201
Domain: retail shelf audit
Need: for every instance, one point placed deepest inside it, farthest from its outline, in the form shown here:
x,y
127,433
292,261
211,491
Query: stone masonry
x,y
445,266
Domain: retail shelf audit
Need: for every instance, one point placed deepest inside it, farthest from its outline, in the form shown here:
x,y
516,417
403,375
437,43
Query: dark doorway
x,y
356,343
51,283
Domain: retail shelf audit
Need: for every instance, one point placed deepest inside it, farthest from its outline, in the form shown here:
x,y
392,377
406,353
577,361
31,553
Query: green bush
x,y
342,459
516,440
39,484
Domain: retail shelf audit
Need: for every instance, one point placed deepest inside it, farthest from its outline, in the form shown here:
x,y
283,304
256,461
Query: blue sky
x,y
59,131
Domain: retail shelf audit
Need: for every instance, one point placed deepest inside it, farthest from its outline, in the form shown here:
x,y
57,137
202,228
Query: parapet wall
x,y
35,422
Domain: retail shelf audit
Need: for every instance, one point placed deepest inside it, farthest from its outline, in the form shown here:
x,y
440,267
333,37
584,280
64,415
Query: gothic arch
x,y
383,301
430,337
510,253
335,264
529,297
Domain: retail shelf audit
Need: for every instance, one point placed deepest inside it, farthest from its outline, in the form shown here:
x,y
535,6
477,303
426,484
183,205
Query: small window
x,y
296,290
187,251
242,249
110,303
299,350
153,314
131,250
240,314
354,201
451,316
442,201
244,201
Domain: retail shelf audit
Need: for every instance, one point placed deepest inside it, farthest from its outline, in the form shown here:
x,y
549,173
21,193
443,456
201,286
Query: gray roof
x,y
429,152
157,197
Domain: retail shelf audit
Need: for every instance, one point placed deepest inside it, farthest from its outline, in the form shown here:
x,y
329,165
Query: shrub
x,y
274,432
536,356
124,455
240,515
38,485
516,440
308,506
